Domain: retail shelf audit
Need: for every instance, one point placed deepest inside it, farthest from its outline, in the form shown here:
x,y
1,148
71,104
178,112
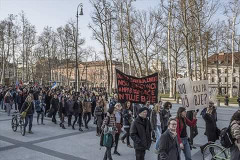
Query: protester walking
x,y
235,132
78,110
28,107
70,111
127,121
165,115
193,130
62,111
87,110
54,105
169,148
212,132
40,109
119,122
7,102
182,122
156,122
98,113
140,133
109,128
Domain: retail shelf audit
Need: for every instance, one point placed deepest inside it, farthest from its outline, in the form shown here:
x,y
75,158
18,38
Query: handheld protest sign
x,y
137,90
184,86
200,94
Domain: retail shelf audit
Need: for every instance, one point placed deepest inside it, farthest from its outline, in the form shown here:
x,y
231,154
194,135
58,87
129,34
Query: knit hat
x,y
140,110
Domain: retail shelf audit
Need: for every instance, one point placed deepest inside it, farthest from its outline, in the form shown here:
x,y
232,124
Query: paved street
x,y
50,142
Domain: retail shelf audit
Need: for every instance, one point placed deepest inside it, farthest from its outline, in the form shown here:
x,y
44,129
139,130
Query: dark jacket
x,y
212,132
169,148
140,133
127,118
55,104
113,102
165,115
40,106
62,109
153,119
77,108
30,110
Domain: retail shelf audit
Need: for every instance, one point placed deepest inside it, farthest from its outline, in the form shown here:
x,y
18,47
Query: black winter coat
x,y
77,107
212,132
169,148
127,118
140,133
30,110
62,109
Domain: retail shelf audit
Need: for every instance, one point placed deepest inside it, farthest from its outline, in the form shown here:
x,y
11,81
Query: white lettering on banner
x,y
184,87
200,93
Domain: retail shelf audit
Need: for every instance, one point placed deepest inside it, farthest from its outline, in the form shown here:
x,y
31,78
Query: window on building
x,y
234,70
220,80
225,79
234,79
213,80
225,70
219,71
213,71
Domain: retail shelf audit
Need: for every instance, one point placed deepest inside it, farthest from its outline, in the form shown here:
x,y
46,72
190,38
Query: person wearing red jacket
x,y
182,122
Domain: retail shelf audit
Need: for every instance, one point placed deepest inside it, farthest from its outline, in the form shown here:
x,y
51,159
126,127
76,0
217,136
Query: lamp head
x,y
81,11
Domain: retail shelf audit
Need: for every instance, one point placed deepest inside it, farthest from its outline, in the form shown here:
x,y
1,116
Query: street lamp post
x,y
76,69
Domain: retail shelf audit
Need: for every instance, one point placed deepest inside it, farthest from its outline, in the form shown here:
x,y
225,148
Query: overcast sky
x,y
55,13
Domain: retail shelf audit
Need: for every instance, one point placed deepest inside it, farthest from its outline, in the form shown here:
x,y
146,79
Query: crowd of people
x,y
144,124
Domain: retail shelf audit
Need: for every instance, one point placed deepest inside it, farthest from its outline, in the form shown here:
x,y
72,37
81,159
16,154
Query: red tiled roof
x,y
224,58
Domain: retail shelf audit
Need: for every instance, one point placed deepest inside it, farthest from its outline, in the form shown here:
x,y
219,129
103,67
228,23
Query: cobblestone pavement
x,y
50,142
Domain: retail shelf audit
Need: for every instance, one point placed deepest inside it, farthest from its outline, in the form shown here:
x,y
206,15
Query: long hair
x,y
179,114
125,105
166,104
156,107
236,116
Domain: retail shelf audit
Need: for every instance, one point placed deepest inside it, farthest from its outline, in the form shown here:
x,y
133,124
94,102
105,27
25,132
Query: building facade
x,y
220,74
91,74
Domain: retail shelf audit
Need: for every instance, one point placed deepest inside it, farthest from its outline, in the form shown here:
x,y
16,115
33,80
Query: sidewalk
x,y
172,100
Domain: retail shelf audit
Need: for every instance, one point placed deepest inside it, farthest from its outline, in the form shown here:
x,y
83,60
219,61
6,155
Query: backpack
x,y
226,138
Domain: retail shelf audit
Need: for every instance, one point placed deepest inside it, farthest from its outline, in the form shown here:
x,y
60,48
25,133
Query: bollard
x,y
178,100
218,103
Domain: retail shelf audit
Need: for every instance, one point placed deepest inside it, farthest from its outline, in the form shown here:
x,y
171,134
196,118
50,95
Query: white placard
x,y
184,87
200,93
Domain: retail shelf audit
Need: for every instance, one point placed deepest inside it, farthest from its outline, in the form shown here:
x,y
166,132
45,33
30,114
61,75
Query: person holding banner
x,y
182,122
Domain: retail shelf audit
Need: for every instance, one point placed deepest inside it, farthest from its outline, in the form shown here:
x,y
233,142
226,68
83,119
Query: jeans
x,y
54,117
79,118
186,150
116,141
86,118
140,154
30,119
108,154
126,135
158,132
8,107
38,116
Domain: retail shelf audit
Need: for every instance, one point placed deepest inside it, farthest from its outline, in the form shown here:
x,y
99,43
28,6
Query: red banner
x,y
137,90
